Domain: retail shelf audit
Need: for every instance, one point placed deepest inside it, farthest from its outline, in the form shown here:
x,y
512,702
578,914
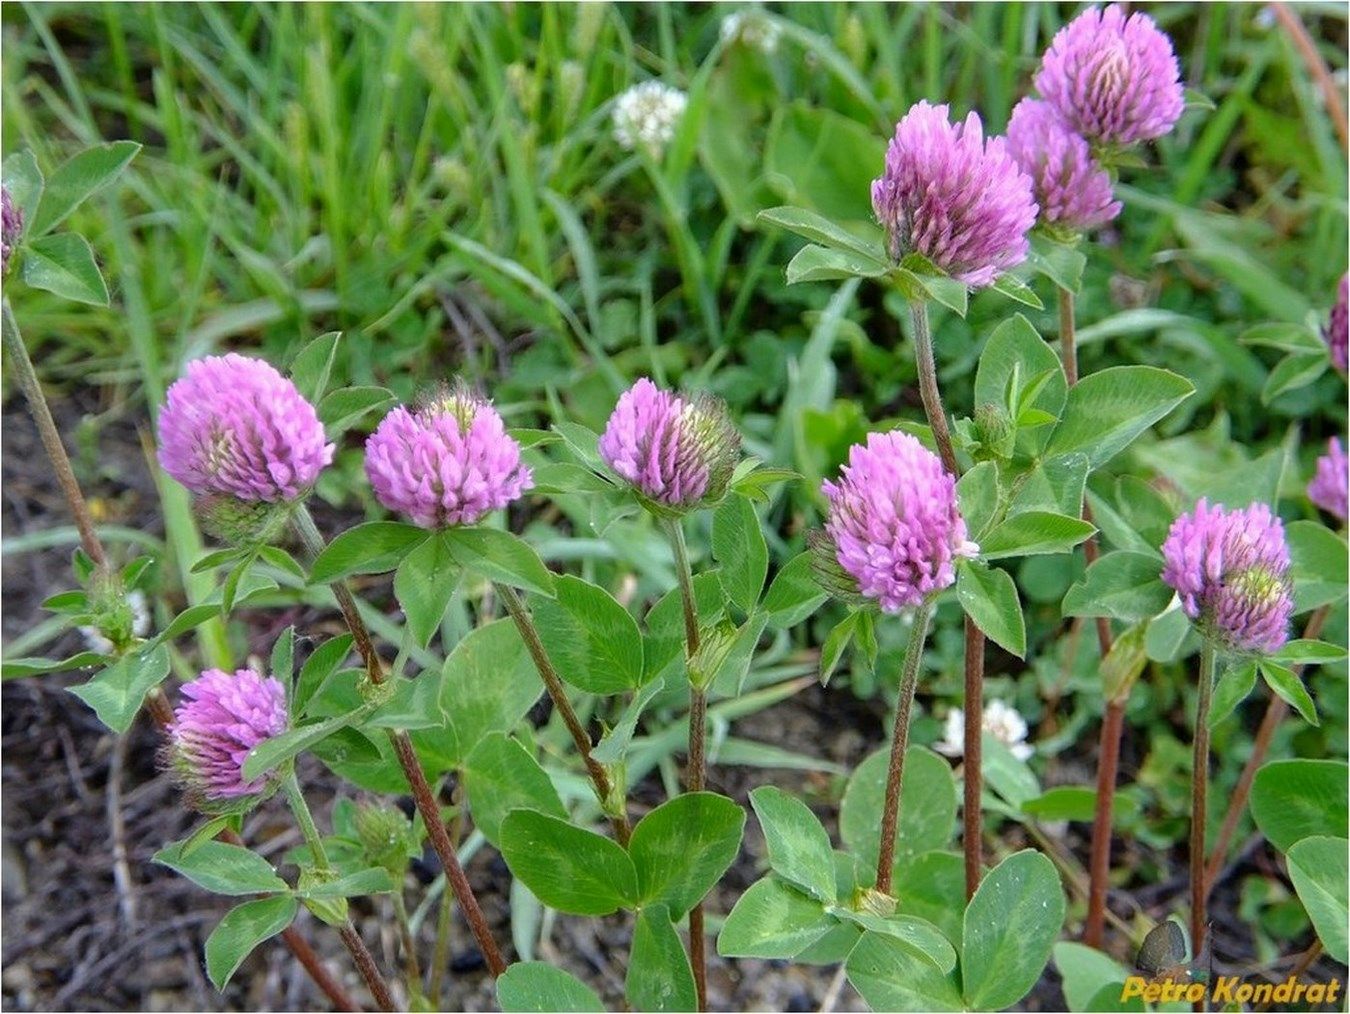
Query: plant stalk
x,y
407,756
558,693
1113,722
1276,710
309,830
974,637
696,764
909,680
17,354
440,954
1199,792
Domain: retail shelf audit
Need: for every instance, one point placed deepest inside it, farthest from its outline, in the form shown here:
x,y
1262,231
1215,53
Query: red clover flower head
x,y
1231,570
676,452
1328,487
1112,78
1337,331
222,718
1072,189
951,195
234,427
893,522
448,462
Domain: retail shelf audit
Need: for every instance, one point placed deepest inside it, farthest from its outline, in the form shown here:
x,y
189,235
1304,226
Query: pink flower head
x,y
11,227
233,426
1072,189
1114,79
677,452
1328,488
954,197
1231,569
893,522
224,717
1337,331
449,462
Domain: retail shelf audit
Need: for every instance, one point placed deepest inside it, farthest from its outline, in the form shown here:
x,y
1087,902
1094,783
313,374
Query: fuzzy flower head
x,y
1002,721
893,522
1231,570
234,427
953,196
751,27
11,227
1072,189
1337,331
1328,488
222,718
646,115
1114,79
676,452
448,462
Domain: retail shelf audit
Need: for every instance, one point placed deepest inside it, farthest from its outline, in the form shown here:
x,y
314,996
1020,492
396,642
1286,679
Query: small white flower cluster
x,y
140,625
647,114
751,28
1000,720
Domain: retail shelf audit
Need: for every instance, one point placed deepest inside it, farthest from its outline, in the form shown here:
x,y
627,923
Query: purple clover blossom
x,y
677,452
11,228
1337,331
1114,79
1231,570
233,426
1328,488
1072,189
448,462
953,196
222,718
893,522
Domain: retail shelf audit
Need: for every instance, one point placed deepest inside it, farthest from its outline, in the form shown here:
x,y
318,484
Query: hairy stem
x,y
909,679
1067,335
440,954
604,789
17,353
1199,791
928,386
974,637
407,756
406,941
365,964
695,771
1276,710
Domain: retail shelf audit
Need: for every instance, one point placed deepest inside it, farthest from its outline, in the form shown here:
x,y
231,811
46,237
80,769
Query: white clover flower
x,y
751,28
647,114
1000,720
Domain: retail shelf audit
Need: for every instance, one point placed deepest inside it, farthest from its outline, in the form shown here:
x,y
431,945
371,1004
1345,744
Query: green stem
x,y
290,785
909,679
414,972
696,764
440,954
1199,792
928,386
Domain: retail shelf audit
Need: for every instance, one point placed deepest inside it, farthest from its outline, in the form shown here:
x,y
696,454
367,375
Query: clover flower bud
x,y
1231,571
646,115
384,834
751,27
1328,487
1336,333
1002,721
893,522
676,452
951,195
233,426
11,228
448,462
1113,79
221,720
1072,189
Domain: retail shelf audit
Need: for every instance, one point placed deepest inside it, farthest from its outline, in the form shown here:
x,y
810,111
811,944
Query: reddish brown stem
x,y
407,757
1099,862
1276,711
1199,799
365,963
558,694
972,824
1312,59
